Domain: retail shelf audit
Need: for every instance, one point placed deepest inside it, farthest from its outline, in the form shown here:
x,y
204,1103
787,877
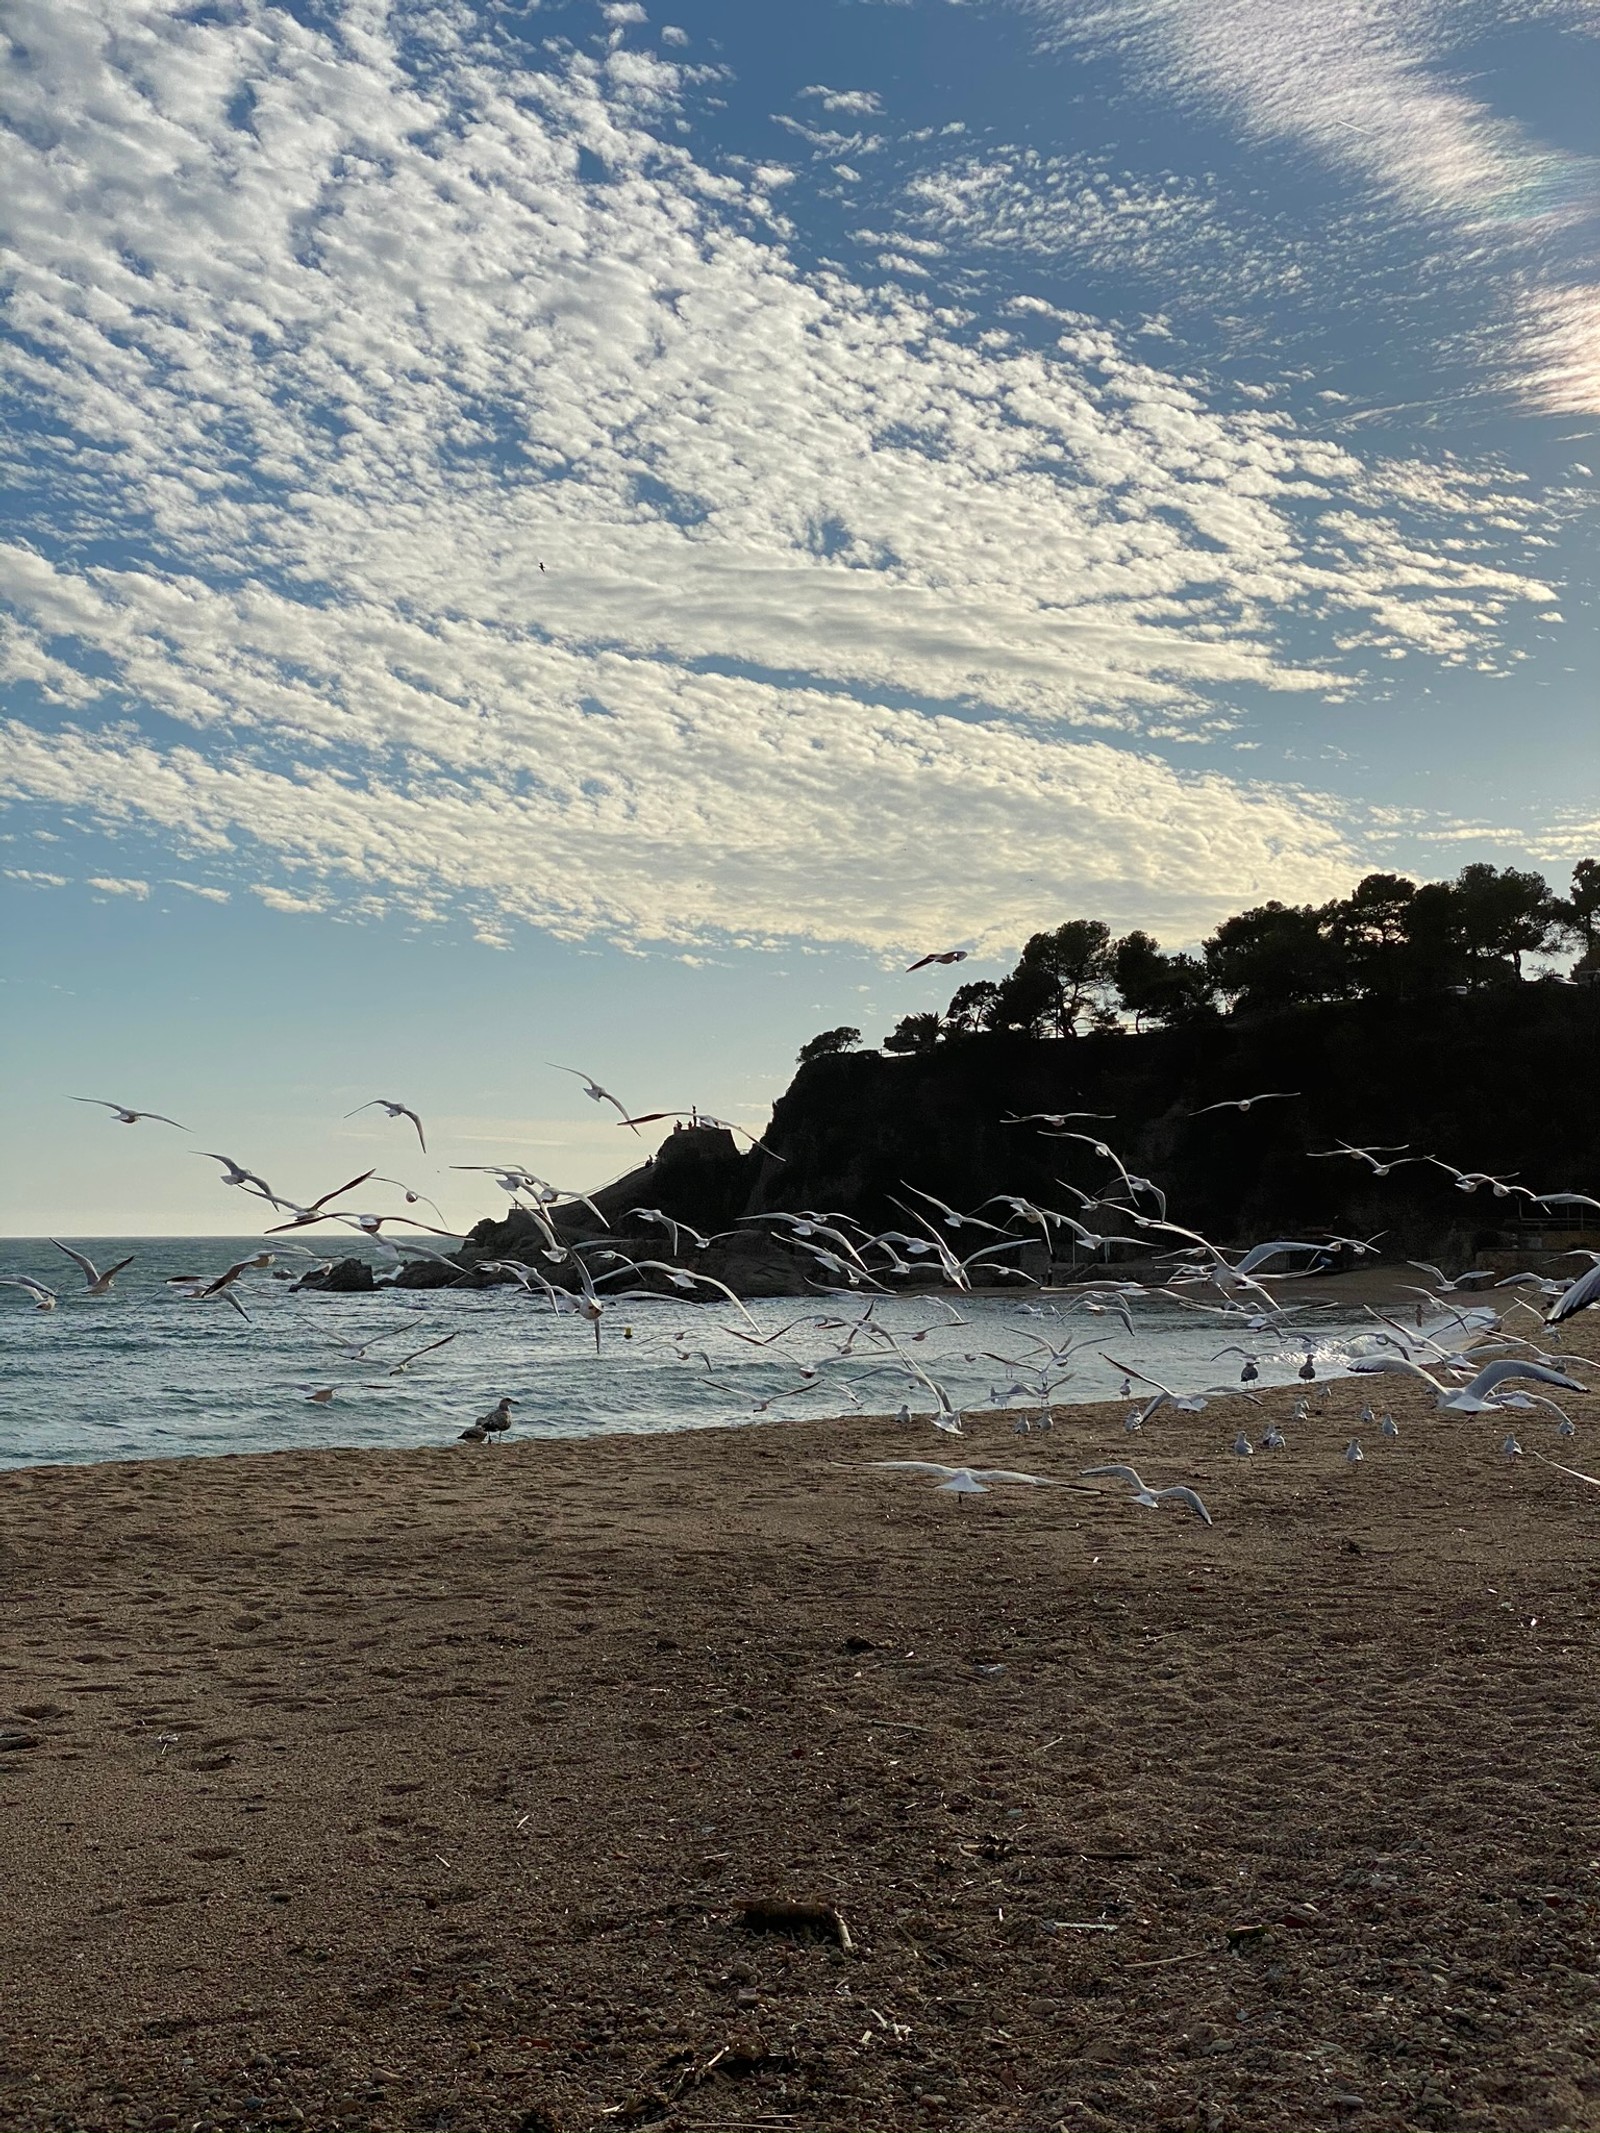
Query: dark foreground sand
x,y
421,1789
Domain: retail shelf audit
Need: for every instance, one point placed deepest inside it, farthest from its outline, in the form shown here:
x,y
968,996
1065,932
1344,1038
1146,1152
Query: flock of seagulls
x,y
1459,1347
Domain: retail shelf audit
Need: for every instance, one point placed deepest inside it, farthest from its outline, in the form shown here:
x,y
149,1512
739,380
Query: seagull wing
x,y
1187,1497
1002,1473
918,1466
1113,1473
1508,1366
86,1267
406,1112
1583,1292
25,1281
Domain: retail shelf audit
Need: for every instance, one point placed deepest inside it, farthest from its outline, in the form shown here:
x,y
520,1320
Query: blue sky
x,y
989,462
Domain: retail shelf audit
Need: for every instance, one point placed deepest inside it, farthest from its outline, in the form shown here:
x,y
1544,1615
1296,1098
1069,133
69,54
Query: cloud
x,y
856,103
112,885
1378,93
439,486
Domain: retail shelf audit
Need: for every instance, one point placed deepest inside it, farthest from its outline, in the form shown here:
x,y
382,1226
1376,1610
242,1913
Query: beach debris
x,y
801,1921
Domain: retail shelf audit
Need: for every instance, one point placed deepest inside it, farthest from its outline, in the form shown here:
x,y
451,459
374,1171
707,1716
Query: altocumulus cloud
x,y
853,622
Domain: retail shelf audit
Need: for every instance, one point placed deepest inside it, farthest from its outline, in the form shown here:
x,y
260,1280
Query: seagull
x,y
125,1117
43,1299
304,1216
1370,1156
594,1092
1050,1118
1476,1398
1390,1427
98,1284
1143,1494
1443,1285
1353,1454
946,955
236,1174
1308,1369
1583,1292
1273,1439
497,1421
1243,1103
968,1480
1243,1447
1511,1449
413,1197
395,1110
663,1221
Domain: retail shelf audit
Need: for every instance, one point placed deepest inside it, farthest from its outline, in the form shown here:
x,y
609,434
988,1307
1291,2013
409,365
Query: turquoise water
x,y
143,1373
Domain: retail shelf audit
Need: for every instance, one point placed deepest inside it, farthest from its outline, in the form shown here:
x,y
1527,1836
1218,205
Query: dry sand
x,y
422,1789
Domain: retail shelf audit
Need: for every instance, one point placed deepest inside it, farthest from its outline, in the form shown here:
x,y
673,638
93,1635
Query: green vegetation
x,y
1391,938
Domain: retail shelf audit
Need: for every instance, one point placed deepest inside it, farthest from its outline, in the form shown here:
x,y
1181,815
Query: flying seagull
x,y
1144,1494
395,1110
946,955
1243,1103
1478,1397
125,1117
43,1299
99,1284
967,1480
595,1094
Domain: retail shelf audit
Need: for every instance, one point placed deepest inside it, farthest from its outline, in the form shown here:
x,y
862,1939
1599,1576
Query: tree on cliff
x,y
1578,915
1156,987
1505,914
914,1033
829,1043
1277,955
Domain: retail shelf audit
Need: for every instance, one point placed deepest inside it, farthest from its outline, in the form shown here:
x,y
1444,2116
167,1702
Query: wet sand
x,y
423,1789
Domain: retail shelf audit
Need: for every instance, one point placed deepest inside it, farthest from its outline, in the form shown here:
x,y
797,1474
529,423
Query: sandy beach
x,y
425,1789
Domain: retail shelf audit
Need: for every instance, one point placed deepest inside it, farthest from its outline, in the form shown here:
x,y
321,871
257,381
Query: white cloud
x,y
838,599
1377,91
195,888
856,103
113,885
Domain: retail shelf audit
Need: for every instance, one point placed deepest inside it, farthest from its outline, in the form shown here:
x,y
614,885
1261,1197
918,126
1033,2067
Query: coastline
x,y
421,1789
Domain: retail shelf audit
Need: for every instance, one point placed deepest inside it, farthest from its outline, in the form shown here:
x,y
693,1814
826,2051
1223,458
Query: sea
x,y
146,1373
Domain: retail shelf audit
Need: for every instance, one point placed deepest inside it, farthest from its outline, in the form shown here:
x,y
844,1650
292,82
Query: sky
x,y
596,533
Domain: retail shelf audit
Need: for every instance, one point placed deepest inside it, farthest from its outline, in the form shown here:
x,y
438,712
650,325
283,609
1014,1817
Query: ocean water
x,y
144,1373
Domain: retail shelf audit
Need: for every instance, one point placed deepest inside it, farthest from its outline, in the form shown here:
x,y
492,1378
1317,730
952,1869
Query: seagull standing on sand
x,y
99,1284
395,1110
1152,1498
125,1117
